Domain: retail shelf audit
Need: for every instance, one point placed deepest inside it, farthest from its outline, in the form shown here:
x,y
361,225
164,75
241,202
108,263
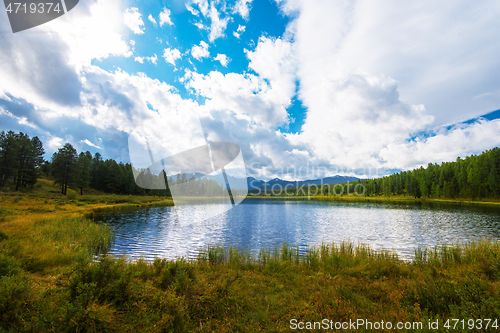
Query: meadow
x,y
55,276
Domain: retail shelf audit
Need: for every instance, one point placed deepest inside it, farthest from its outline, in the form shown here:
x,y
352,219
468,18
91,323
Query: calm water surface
x,y
256,224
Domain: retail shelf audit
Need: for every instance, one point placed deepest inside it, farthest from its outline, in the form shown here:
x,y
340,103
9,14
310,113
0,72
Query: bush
x,y
15,296
110,278
8,266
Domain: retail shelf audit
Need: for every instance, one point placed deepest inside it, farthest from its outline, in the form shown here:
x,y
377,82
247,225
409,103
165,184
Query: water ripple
x,y
256,224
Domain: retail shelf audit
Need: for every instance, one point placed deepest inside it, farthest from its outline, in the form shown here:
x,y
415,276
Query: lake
x,y
267,223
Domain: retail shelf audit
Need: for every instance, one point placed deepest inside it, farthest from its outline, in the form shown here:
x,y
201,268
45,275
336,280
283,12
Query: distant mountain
x,y
255,185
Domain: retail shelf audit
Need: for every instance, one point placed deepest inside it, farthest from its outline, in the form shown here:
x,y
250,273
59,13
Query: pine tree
x,y
64,166
83,170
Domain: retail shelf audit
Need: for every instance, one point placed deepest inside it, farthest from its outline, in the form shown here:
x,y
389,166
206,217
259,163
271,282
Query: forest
x,y
21,160
475,177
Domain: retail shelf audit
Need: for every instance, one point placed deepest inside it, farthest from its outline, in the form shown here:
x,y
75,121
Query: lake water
x,y
257,223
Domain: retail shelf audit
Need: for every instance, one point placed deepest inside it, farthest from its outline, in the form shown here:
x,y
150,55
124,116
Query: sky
x,y
306,88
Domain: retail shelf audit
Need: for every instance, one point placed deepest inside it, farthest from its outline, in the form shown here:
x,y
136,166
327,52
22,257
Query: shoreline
x,y
381,199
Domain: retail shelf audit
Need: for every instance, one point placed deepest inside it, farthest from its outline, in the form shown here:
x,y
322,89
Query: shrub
x,y
15,296
8,266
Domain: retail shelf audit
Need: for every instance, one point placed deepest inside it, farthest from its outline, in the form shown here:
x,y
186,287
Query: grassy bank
x,y
55,277
381,198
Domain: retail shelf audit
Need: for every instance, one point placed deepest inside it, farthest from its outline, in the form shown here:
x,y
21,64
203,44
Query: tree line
x,y
21,159
475,177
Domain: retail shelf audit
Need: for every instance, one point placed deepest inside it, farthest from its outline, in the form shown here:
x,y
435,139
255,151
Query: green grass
x,y
381,199
55,277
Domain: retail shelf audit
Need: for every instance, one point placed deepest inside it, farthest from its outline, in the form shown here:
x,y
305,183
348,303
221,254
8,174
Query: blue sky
x,y
363,88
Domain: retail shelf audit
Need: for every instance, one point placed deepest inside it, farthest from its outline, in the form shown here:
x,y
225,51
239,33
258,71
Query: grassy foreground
x,y
55,277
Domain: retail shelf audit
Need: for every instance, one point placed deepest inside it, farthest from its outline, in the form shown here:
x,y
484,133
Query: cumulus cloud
x,y
246,95
445,145
152,19
75,101
274,60
171,55
358,116
152,59
58,62
199,25
133,20
165,17
263,97
217,25
378,79
370,86
200,51
441,55
55,143
242,7
239,31
201,4
222,58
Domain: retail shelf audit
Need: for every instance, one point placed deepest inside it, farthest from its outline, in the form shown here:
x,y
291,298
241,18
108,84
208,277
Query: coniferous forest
x,y
21,160
475,177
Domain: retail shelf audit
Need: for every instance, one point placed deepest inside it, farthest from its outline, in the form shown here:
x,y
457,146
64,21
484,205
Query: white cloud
x,y
92,35
217,26
200,51
446,145
442,56
55,143
372,74
152,59
78,99
152,19
87,142
192,10
246,95
133,20
20,120
357,116
369,83
202,5
120,101
171,55
165,17
242,7
274,59
223,59
239,31
199,25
